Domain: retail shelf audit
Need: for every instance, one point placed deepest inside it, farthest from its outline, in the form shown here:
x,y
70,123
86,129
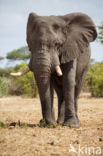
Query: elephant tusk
x,y
20,73
58,70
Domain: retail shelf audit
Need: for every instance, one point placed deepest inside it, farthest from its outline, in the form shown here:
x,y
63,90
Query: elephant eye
x,y
56,26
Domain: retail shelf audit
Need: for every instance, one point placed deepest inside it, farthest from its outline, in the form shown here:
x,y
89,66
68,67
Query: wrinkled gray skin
x,y
64,41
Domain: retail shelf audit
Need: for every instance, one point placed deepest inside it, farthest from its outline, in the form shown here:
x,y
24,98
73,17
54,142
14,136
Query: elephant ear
x,y
79,31
30,28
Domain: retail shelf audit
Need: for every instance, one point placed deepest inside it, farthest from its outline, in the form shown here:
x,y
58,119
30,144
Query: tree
x,y
100,34
21,54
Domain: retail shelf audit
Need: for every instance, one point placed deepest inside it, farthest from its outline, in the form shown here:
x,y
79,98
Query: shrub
x,y
24,84
5,72
4,86
94,79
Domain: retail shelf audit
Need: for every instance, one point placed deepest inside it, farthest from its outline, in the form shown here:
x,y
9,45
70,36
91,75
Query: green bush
x,y
4,86
94,80
21,53
24,84
5,72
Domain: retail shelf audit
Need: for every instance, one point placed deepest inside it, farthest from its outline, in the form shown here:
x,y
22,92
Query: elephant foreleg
x,y
69,76
46,98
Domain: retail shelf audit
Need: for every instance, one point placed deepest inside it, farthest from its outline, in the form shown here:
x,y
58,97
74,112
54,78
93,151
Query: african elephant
x,y
60,57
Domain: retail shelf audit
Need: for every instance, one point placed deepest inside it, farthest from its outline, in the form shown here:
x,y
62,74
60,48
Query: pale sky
x,y
14,15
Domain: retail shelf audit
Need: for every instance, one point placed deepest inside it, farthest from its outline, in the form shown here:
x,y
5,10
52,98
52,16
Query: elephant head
x,y
44,37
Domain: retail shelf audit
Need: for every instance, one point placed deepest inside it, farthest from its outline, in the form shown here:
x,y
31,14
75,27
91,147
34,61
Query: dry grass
x,y
17,141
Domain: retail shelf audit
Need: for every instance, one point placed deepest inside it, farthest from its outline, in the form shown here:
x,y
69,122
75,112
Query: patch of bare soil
x,y
59,141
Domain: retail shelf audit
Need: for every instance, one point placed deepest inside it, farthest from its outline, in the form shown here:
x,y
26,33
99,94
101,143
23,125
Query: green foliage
x,y
25,84
100,34
44,124
94,79
21,53
1,124
4,86
5,72
25,126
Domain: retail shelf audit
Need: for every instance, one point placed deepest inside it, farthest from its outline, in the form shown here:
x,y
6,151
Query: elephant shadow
x,y
17,124
25,125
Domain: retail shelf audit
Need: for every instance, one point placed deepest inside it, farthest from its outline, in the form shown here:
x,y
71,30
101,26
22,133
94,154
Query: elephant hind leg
x,y
61,111
78,88
52,97
61,103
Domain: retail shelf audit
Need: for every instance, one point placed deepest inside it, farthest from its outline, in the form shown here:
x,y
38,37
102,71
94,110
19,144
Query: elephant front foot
x,y
60,121
47,123
72,122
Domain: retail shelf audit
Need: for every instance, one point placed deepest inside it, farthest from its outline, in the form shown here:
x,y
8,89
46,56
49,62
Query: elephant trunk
x,y
57,68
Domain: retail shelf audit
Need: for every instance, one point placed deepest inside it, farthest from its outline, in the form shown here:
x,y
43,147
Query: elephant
x,y
60,58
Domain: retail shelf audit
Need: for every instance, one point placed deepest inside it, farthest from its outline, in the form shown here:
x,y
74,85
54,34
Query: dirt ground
x,y
59,141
